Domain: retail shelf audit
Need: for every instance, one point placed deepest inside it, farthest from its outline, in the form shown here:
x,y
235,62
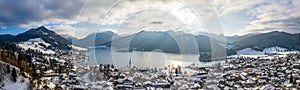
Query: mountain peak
x,y
42,28
48,36
279,32
108,32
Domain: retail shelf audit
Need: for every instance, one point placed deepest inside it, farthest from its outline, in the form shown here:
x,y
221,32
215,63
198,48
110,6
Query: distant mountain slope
x,y
96,39
69,37
232,39
265,40
41,32
6,37
171,42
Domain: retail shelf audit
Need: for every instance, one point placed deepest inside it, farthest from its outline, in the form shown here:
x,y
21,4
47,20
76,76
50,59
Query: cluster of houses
x,y
55,71
106,76
239,73
264,74
65,72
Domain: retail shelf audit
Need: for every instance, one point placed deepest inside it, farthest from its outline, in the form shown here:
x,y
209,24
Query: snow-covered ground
x,y
35,45
78,48
21,84
6,83
249,51
267,53
274,49
278,50
228,46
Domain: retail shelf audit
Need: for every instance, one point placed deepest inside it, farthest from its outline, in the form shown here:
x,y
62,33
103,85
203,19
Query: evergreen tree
x,y
291,78
7,68
112,66
176,71
14,75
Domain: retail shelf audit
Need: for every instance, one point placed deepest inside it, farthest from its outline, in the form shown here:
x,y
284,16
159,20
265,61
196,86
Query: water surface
x,y
143,59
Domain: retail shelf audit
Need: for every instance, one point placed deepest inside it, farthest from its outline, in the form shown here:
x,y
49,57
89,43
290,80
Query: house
x,y
161,83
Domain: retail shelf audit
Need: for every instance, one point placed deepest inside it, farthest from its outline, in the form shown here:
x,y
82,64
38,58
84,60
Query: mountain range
x,y
166,41
265,40
170,41
94,39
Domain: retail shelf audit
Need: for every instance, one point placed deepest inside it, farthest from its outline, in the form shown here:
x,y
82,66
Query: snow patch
x,y
35,45
36,40
274,49
250,56
249,51
78,48
268,53
228,46
22,83
278,50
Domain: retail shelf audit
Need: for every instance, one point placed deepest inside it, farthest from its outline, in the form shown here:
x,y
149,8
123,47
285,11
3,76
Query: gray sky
x,y
82,17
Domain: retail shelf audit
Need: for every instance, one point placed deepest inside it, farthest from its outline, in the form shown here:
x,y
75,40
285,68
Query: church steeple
x,y
129,65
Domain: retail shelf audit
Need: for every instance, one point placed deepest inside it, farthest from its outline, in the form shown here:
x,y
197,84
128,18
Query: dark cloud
x,y
156,22
263,29
291,24
292,21
22,12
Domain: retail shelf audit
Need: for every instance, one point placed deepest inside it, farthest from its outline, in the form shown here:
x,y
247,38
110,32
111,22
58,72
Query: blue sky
x,y
12,30
82,17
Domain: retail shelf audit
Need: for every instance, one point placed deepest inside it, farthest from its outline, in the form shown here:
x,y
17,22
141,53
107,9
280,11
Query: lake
x,y
142,59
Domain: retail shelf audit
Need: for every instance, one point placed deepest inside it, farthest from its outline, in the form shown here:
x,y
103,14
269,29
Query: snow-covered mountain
x,y
37,44
48,36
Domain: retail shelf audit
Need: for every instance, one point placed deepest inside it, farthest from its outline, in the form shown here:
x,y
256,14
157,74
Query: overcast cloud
x,y
81,17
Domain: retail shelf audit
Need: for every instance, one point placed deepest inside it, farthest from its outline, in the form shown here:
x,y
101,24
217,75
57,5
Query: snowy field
x,y
267,53
36,44
6,82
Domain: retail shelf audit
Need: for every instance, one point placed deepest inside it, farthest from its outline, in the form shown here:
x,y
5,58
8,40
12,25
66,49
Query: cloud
x,y
275,16
103,14
268,15
26,13
64,17
131,16
231,6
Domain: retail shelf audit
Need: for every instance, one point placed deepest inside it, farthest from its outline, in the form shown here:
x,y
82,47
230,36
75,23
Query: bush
x,y
7,68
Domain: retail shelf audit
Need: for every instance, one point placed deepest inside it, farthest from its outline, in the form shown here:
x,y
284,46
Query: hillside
x,y
170,42
11,78
42,32
265,40
95,39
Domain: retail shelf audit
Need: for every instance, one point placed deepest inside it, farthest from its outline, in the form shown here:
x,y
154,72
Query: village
x,y
238,73
65,70
260,73
109,77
